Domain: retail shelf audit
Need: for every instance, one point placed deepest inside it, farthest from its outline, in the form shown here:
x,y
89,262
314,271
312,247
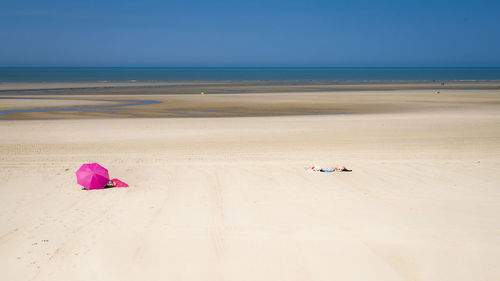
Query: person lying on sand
x,y
116,183
342,169
326,170
336,168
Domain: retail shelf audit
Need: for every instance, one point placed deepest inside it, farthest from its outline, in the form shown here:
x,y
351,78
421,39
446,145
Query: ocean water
x,y
299,74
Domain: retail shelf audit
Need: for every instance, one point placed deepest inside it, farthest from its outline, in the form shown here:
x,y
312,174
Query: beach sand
x,y
229,198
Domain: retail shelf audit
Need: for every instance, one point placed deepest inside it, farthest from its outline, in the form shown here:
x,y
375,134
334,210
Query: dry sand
x,y
229,199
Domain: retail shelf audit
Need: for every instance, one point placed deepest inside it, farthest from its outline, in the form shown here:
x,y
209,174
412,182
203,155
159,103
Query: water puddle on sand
x,y
110,109
99,108
114,110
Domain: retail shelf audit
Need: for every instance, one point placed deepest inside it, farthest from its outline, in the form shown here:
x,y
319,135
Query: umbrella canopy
x,y
92,176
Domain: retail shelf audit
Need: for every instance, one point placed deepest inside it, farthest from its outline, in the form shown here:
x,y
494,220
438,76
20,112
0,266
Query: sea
x,y
298,74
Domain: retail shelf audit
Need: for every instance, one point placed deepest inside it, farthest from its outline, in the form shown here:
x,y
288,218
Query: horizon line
x,y
111,66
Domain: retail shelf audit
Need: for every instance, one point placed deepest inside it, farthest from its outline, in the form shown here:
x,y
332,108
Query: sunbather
x,y
323,170
326,170
342,169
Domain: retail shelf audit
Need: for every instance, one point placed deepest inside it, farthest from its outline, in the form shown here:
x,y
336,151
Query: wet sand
x,y
229,199
249,86
236,99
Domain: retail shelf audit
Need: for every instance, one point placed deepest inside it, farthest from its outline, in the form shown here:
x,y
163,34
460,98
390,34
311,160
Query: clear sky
x,y
249,33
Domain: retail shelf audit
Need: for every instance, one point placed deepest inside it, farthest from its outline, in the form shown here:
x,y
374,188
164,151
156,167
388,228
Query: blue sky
x,y
249,33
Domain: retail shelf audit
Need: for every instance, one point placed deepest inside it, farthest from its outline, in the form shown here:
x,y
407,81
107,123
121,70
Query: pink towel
x,y
119,183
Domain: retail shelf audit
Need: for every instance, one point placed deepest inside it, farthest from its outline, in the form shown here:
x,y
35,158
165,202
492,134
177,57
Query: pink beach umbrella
x,y
92,176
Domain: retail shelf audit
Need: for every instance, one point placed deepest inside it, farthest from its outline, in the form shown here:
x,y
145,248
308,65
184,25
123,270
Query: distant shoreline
x,y
245,74
13,87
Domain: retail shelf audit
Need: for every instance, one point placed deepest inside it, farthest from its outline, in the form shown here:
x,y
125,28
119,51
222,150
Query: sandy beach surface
x,y
229,199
